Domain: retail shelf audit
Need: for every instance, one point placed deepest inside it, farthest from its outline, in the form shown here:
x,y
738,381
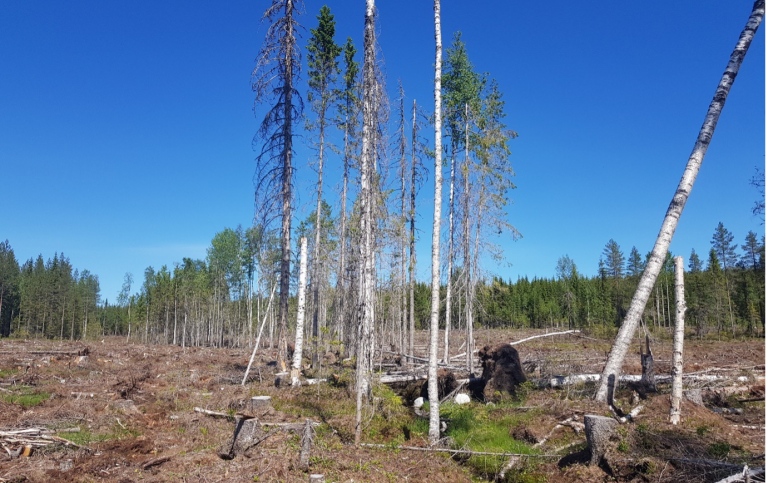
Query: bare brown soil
x,y
129,409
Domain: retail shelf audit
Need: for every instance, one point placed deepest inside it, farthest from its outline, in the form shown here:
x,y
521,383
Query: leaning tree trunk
x,y
434,326
612,368
677,351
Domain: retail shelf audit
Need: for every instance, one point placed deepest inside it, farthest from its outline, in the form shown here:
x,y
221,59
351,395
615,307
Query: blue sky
x,y
126,128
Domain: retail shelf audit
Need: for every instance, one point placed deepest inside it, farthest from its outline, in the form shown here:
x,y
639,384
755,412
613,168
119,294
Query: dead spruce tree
x,y
366,304
620,347
274,82
434,325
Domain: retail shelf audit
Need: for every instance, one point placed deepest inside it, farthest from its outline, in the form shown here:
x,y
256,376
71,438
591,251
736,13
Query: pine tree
x,y
323,65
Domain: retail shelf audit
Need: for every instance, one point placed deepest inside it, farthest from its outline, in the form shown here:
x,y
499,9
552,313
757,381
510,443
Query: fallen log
x,y
388,379
744,475
155,462
559,381
456,451
215,414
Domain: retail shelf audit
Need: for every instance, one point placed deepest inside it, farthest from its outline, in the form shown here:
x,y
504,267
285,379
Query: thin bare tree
x,y
620,347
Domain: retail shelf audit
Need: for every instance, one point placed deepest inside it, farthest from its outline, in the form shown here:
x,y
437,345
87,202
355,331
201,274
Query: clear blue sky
x,y
126,127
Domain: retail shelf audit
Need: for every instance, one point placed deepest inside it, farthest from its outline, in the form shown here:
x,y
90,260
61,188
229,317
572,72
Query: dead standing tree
x,y
623,340
274,82
366,301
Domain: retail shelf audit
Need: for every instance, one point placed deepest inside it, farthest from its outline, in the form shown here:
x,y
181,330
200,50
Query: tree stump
x,y
599,430
446,383
502,372
648,378
307,437
694,395
247,434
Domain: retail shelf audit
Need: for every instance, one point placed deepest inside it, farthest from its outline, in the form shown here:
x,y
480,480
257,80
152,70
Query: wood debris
x,y
22,442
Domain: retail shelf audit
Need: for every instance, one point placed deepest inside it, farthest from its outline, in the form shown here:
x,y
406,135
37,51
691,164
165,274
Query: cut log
x,y
599,430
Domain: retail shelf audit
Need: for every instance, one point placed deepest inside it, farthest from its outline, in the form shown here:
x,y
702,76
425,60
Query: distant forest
x,y
207,302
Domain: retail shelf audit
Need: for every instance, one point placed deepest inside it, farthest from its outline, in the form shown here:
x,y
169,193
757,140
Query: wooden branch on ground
x,y
575,331
570,422
232,417
215,414
155,462
457,451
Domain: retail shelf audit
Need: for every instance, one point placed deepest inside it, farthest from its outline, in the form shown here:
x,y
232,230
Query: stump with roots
x,y
599,430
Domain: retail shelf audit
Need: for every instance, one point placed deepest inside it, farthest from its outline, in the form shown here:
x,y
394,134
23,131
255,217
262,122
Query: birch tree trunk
x,y
620,347
677,350
434,326
366,299
297,353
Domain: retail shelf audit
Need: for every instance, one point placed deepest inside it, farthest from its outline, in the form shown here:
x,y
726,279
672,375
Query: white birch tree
x,y
302,308
620,347
434,326
677,349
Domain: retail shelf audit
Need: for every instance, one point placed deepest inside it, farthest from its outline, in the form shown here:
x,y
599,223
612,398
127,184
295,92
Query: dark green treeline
x,y
221,301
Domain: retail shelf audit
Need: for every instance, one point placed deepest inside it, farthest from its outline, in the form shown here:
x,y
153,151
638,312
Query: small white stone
x,y
461,398
418,402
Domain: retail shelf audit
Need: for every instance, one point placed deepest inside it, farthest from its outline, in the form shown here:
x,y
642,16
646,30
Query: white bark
x,y
434,326
624,338
297,353
677,350
575,331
